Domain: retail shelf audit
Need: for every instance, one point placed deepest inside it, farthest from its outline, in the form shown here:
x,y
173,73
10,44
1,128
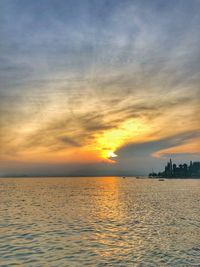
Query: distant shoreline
x,y
103,176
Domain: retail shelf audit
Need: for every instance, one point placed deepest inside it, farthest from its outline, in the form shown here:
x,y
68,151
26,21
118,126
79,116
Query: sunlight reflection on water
x,y
99,222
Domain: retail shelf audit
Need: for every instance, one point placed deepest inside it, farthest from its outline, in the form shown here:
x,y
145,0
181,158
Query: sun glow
x,y
111,140
111,154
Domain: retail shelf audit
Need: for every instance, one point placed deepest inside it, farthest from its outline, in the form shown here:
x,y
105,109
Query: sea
x,y
104,221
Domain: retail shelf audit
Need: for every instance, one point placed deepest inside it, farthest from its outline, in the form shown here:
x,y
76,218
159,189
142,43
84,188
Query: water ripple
x,y
99,222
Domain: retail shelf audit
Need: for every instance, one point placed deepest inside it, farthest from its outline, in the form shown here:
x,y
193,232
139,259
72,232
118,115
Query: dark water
x,y
99,222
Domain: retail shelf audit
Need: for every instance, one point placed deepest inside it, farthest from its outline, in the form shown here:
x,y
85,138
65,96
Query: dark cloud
x,y
67,140
148,148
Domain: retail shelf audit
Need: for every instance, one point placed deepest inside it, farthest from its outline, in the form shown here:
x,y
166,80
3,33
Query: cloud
x,y
69,141
150,147
72,71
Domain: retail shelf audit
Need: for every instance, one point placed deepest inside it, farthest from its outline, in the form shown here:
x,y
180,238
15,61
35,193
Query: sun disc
x,y
111,154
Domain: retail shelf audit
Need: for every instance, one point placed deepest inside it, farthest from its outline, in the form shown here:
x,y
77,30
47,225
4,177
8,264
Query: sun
x,y
111,154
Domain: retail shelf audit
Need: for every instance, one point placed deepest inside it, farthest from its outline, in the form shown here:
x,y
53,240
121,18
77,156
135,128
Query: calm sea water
x,y
99,222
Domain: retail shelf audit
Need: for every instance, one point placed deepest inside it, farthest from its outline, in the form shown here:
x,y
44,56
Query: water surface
x,y
99,222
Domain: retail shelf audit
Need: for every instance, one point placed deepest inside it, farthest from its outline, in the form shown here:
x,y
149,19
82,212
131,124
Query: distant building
x,y
182,171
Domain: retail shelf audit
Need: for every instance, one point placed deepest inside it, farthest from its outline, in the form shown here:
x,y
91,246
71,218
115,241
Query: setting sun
x,y
111,154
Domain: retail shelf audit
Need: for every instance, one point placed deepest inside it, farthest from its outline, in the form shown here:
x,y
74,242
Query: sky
x,y
91,87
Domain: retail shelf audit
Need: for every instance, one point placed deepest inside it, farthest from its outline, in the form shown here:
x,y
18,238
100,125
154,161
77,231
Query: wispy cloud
x,y
71,72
